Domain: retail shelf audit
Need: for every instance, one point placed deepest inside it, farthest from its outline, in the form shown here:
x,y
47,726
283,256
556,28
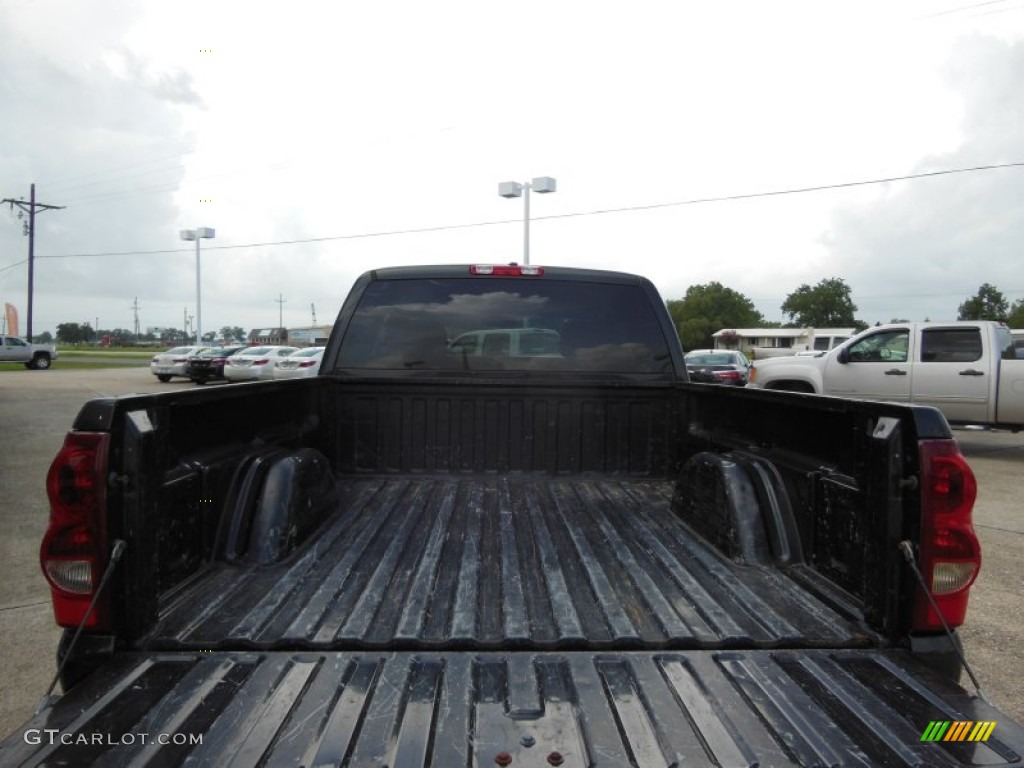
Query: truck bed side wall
x,y
844,465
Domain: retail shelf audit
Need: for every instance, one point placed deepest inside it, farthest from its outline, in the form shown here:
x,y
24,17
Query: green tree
x,y
825,305
70,333
43,338
708,308
1015,318
987,304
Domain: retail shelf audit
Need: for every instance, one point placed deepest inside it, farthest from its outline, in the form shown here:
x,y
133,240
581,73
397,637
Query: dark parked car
x,y
718,366
208,363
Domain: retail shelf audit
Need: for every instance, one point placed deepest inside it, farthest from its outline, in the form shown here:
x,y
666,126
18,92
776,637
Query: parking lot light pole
x,y
197,235
539,184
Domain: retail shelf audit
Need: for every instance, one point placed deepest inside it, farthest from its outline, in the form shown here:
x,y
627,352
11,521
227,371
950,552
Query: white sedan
x,y
300,364
172,362
256,364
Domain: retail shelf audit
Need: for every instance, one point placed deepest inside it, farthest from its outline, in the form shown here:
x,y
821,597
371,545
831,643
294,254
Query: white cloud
x,y
920,248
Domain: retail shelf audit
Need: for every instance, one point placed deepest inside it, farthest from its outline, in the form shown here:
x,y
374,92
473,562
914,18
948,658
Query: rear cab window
x,y
508,323
951,345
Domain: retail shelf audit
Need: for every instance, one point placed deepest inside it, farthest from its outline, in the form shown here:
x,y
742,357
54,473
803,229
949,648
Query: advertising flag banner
x,y
11,313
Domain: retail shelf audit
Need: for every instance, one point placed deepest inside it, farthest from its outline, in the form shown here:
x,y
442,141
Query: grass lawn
x,y
78,365
128,352
81,358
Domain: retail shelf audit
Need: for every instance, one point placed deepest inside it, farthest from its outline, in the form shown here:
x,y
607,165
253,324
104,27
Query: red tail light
x,y
74,548
950,553
308,364
260,362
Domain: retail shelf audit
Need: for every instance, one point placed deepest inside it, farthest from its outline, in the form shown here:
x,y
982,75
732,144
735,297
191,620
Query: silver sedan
x,y
300,364
172,362
256,364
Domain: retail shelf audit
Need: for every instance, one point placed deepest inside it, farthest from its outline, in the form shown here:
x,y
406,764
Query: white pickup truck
x,y
15,350
968,370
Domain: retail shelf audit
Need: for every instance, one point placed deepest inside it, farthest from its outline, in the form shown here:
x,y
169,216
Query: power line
x,y
16,264
91,197
998,10
72,180
777,192
122,253
963,8
99,197
301,241
136,174
598,212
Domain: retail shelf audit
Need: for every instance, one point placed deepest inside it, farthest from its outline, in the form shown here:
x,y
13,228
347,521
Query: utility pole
x,y
31,207
135,307
280,311
312,308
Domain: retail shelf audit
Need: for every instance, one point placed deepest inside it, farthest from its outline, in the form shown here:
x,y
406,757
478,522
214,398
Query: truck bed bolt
x,y
503,758
555,758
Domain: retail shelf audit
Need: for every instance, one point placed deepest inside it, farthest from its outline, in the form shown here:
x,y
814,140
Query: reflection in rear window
x,y
505,324
720,359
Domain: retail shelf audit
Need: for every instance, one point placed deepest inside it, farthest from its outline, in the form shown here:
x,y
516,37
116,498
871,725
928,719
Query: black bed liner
x,y
456,710
511,562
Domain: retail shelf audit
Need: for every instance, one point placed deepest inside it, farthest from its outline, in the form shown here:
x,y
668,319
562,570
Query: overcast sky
x,y
314,136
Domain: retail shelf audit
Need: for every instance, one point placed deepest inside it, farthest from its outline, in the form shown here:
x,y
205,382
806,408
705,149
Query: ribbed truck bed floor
x,y
510,562
480,709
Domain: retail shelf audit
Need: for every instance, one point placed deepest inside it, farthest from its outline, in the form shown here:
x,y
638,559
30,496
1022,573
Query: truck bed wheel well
x,y
278,498
741,505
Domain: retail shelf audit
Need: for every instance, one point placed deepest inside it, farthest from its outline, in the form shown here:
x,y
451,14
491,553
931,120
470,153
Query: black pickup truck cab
x,y
439,554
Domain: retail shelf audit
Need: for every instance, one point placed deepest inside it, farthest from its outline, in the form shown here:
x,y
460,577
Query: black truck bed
x,y
513,562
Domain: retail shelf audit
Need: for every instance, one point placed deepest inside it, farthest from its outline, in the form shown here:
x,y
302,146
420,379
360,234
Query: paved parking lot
x,y
38,407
